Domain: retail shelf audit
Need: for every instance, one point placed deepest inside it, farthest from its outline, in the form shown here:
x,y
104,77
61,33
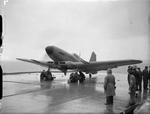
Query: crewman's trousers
x,y
109,100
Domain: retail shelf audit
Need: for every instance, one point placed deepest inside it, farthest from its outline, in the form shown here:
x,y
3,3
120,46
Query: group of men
x,y
140,76
135,79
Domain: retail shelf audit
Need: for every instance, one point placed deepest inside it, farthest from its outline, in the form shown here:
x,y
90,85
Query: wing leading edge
x,y
92,66
41,63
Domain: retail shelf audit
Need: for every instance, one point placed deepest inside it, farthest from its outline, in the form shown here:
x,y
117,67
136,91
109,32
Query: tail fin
x,y
93,57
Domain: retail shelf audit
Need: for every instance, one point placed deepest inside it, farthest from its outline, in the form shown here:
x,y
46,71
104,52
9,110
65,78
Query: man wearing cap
x,y
109,87
129,70
132,88
136,75
140,79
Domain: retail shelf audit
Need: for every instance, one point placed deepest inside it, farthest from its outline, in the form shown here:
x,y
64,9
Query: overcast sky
x,y
113,29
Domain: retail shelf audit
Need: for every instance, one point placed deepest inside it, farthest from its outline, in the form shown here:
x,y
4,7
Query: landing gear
x,y
49,76
46,76
81,77
74,77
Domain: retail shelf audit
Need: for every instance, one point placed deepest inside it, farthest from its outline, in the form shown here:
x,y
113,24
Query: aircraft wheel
x,y
50,78
81,80
73,78
81,77
41,77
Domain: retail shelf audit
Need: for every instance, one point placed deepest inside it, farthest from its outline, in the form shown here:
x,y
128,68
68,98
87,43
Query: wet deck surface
x,y
25,94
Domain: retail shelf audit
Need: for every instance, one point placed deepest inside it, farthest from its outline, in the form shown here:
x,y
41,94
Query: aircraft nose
x,y
49,50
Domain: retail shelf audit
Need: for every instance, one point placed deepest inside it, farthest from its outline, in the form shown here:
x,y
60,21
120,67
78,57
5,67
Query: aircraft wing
x,y
15,73
45,64
114,64
91,67
28,72
104,65
60,66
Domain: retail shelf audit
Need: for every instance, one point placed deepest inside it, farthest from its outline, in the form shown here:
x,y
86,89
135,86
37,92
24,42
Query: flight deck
x,y
26,94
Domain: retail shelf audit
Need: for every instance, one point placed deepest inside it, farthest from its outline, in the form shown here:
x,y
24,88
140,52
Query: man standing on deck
x,y
136,75
140,79
129,70
132,88
109,87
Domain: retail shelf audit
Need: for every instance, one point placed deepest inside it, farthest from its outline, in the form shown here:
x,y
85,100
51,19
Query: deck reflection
x,y
58,96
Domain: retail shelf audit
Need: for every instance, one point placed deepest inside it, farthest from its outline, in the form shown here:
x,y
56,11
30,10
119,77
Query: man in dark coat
x,y
145,78
139,79
129,70
136,75
132,89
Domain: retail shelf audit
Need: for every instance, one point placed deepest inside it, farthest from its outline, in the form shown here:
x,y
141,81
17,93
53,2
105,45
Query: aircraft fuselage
x,y
58,54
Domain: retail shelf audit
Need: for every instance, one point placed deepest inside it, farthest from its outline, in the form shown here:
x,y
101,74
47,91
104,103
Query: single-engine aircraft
x,y
64,61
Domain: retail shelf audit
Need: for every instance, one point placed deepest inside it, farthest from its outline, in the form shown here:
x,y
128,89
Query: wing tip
x,y
19,59
138,61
